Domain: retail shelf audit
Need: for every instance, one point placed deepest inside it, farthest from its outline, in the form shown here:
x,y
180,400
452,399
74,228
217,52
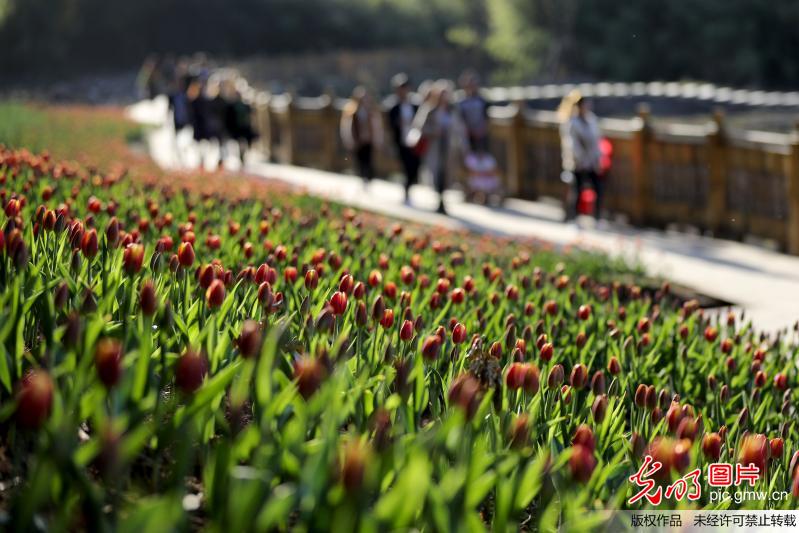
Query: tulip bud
x,y
249,341
532,380
520,431
112,232
34,399
190,371
581,463
430,347
465,393
640,396
637,444
566,394
108,361
133,258
186,254
755,449
406,331
547,351
777,445
311,279
584,436
148,299
89,244
556,376
598,383
687,428
599,408
579,376
514,379
711,446
388,319
673,416
309,373
614,367
215,294
724,393
353,467
360,314
459,333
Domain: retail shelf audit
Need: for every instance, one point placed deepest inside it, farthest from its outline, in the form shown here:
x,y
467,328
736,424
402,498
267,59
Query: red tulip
x,y
458,296
711,334
579,376
108,361
34,399
459,333
431,347
133,258
711,446
614,367
190,371
111,231
781,381
584,436
584,312
581,463
599,408
339,303
375,278
311,279
148,299
755,449
215,294
465,393
309,373
556,376
89,243
777,445
514,379
547,351
388,319
406,331
186,254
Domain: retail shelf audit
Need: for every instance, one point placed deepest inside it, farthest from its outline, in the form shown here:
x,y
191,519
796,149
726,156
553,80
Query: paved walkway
x,y
764,283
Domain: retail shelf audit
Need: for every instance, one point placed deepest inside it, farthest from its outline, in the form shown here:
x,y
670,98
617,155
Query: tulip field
x,y
187,352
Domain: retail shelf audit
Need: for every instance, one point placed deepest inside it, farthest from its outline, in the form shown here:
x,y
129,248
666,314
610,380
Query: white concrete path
x,y
764,283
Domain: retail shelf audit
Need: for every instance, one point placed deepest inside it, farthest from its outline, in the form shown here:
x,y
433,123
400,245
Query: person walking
x,y
580,137
437,124
474,111
361,131
400,118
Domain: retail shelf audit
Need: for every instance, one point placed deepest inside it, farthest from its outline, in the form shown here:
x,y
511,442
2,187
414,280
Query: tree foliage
x,y
739,42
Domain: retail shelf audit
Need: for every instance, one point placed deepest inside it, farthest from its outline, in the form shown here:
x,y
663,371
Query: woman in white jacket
x,y
579,138
438,134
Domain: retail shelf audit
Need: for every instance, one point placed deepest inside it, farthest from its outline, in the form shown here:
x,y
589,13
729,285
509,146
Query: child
x,y
483,181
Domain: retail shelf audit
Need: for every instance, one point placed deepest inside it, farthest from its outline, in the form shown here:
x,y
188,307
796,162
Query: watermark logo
x,y
720,476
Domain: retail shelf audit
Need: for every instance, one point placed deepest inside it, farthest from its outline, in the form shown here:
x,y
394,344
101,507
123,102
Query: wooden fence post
x,y
641,172
287,133
263,123
515,147
330,133
717,174
793,195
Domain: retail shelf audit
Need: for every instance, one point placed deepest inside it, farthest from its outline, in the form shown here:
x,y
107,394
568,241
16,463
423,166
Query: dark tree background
x,y
740,42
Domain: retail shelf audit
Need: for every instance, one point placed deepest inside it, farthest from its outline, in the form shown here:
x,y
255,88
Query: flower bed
x,y
182,352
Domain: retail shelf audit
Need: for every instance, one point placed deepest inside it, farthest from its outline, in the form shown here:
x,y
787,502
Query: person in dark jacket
x,y
400,118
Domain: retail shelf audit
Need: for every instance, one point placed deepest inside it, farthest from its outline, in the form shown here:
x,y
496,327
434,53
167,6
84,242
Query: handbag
x,y
417,141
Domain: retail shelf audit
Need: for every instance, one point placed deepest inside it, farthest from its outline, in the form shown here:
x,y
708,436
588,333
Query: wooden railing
x,y
729,183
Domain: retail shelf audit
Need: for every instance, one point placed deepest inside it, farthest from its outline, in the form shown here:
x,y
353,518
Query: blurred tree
x,y
739,42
